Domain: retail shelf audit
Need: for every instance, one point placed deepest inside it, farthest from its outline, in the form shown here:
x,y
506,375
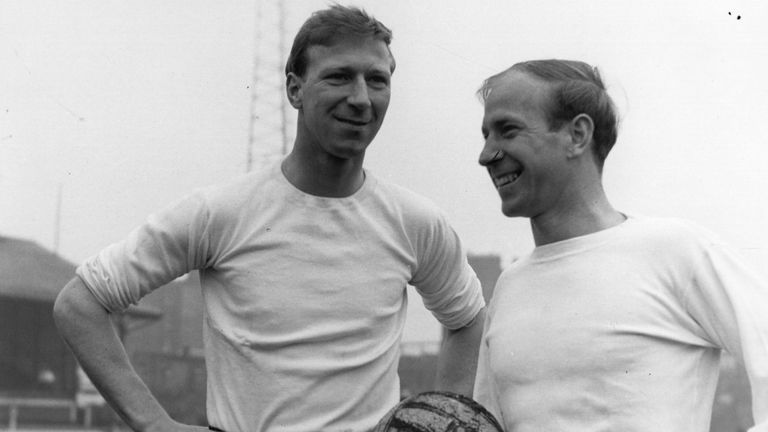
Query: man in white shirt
x,y
614,322
303,267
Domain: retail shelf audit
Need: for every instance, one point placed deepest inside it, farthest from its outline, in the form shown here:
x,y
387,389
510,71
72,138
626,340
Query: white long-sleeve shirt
x,y
305,296
621,330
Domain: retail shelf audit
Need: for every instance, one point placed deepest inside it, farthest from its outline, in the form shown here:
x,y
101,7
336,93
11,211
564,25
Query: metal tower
x,y
269,136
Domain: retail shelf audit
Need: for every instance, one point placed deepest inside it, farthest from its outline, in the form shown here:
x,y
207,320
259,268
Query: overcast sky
x,y
126,106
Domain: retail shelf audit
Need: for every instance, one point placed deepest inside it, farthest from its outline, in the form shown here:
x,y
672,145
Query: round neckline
x,y
295,194
578,244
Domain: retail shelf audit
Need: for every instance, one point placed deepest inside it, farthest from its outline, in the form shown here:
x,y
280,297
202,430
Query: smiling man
x,y
303,266
614,322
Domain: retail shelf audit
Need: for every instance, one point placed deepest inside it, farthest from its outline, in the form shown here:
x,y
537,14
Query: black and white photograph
x,y
381,216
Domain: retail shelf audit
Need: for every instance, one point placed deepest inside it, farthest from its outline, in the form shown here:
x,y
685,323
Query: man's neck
x,y
582,218
329,177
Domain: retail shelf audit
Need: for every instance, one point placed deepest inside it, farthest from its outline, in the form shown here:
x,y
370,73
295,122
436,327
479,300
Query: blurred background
x,y
109,110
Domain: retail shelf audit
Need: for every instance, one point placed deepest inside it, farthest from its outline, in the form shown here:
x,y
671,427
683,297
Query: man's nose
x,y
489,154
358,93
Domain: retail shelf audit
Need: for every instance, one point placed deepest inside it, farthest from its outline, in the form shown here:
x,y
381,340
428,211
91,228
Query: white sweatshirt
x,y
621,330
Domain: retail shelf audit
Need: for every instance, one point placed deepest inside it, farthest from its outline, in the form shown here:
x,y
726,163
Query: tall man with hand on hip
x,y
303,267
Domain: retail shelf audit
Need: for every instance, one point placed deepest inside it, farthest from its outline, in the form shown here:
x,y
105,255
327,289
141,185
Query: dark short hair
x,y
577,88
326,26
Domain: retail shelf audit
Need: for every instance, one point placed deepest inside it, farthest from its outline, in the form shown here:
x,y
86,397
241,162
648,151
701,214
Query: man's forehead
x,y
515,96
516,90
349,51
516,83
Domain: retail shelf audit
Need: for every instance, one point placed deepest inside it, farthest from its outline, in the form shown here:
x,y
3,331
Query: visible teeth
x,y
506,179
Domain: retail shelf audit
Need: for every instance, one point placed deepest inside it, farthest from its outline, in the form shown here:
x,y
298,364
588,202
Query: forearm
x,y
457,362
88,330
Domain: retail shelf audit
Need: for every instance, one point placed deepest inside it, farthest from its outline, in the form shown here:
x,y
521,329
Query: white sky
x,y
129,105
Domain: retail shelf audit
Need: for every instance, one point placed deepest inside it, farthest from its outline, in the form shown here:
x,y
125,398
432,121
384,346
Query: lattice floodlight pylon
x,y
271,116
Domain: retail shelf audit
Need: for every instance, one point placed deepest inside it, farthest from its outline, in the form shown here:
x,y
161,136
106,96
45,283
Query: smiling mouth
x,y
352,121
506,179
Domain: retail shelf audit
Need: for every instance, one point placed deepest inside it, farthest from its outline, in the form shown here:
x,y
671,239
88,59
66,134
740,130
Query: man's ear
x,y
293,89
581,130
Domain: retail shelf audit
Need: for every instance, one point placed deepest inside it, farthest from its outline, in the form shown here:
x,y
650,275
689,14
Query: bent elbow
x,y
63,306
74,303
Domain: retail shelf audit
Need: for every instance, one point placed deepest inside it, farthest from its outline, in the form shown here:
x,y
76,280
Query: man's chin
x,y
509,210
351,150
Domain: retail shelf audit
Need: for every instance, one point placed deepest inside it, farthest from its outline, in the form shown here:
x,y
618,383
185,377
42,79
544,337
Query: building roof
x,y
29,271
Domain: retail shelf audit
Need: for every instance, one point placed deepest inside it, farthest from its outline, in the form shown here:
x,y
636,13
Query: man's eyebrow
x,y
498,120
351,70
501,121
337,68
506,119
379,70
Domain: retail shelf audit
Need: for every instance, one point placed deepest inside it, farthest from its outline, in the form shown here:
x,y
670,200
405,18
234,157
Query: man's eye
x,y
509,132
337,77
379,80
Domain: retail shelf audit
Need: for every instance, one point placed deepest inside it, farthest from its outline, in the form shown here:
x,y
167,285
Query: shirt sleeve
x,y
730,302
171,243
447,284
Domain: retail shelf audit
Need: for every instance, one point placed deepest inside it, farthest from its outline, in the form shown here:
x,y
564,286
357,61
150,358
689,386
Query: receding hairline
x,y
574,87
489,83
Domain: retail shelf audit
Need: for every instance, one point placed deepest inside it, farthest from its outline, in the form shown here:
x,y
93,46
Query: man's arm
x,y
727,300
457,362
86,327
